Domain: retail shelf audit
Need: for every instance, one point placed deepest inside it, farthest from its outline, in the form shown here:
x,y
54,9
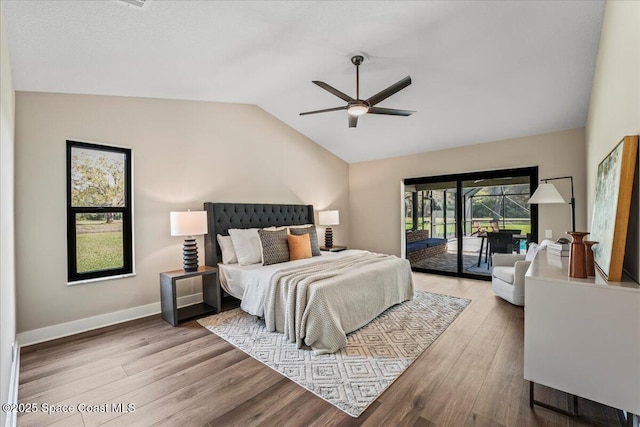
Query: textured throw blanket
x,y
320,303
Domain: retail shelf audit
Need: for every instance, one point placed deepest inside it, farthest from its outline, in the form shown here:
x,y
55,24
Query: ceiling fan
x,y
357,107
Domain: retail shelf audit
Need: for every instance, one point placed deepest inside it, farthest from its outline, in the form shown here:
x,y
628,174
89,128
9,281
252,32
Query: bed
x,y
316,301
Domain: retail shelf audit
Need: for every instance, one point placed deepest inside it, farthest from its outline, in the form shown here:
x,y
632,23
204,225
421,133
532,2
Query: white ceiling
x,y
481,70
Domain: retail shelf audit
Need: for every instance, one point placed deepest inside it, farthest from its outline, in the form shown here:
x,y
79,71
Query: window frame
x,y
73,276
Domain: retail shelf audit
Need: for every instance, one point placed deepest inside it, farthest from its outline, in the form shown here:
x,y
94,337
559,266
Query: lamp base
x,y
190,255
328,237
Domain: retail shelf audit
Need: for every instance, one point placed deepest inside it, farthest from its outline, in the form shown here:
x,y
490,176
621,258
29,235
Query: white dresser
x,y
582,336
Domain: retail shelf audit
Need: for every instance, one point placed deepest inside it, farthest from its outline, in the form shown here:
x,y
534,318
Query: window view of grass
x,y
99,243
510,224
504,204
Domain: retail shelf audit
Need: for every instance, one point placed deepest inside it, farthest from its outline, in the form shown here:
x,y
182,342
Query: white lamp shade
x,y
189,223
329,218
546,193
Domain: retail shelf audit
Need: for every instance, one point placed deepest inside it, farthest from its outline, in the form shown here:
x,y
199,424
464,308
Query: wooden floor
x,y
186,376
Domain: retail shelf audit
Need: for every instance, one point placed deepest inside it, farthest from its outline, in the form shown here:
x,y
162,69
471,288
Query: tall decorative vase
x,y
577,255
591,267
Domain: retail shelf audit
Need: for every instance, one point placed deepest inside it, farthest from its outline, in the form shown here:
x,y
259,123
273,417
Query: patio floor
x,y
449,260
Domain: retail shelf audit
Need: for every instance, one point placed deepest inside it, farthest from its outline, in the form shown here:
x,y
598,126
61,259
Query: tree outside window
x,y
99,211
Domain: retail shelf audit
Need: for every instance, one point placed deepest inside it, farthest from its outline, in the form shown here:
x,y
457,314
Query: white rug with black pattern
x,y
375,355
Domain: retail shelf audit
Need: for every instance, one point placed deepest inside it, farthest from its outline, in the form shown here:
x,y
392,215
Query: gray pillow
x,y
313,237
275,246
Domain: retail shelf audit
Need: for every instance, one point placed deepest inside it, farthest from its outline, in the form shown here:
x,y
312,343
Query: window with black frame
x,y
99,211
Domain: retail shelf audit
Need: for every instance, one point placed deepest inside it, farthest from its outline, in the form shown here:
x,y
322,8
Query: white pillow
x,y
274,228
246,242
227,249
531,252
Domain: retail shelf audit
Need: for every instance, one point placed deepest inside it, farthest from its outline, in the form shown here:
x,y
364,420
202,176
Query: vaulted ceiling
x,y
481,70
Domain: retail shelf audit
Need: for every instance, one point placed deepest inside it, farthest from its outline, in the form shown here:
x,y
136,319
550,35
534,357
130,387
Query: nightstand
x,y
334,248
210,294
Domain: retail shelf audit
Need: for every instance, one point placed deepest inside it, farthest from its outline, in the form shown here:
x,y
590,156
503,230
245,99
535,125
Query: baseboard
x,y
49,333
11,419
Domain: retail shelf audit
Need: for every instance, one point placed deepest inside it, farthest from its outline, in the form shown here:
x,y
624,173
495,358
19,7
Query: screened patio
x,y
490,205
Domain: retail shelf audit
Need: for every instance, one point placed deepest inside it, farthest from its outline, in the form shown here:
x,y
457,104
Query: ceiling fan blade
x,y
333,90
353,121
326,110
384,94
389,111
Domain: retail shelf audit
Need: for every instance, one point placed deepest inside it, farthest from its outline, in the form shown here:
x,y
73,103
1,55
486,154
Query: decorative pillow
x,y
226,247
246,242
531,252
313,237
301,226
275,248
299,246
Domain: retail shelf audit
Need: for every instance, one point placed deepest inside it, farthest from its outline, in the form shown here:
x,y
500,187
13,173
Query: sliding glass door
x,y
452,222
431,225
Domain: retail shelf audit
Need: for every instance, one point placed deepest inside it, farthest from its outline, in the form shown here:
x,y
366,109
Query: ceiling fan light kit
x,y
357,107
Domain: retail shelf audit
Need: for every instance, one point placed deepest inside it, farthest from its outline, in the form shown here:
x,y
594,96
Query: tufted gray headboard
x,y
223,216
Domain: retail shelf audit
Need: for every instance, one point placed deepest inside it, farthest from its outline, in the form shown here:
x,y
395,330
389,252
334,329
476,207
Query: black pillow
x,y
275,246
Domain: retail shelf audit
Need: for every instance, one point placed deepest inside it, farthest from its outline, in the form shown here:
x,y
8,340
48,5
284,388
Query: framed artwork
x,y
610,220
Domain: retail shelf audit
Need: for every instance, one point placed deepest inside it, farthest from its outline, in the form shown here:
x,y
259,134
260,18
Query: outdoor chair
x,y
501,243
516,242
477,229
510,231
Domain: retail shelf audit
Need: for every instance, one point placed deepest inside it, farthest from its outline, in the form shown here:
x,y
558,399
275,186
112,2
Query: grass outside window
x,y
99,246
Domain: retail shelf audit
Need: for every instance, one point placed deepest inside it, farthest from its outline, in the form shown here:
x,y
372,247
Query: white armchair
x,y
507,278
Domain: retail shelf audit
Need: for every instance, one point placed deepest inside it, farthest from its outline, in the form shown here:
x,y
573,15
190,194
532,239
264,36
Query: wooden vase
x,y
577,255
591,267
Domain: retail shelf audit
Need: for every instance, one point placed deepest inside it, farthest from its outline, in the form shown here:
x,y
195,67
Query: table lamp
x,y
189,224
328,218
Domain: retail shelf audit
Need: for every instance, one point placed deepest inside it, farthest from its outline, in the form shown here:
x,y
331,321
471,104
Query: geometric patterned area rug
x,y
353,377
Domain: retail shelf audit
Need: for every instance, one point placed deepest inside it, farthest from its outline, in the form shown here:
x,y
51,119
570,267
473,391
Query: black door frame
x,y
459,178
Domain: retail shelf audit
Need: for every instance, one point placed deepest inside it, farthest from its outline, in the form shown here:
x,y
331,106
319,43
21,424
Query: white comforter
x,y
319,303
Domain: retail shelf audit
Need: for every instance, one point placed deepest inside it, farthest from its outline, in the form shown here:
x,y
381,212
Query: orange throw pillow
x,y
299,247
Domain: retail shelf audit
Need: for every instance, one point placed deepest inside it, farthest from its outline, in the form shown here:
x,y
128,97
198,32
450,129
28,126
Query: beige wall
x,y
614,108
7,248
185,153
375,186
189,152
